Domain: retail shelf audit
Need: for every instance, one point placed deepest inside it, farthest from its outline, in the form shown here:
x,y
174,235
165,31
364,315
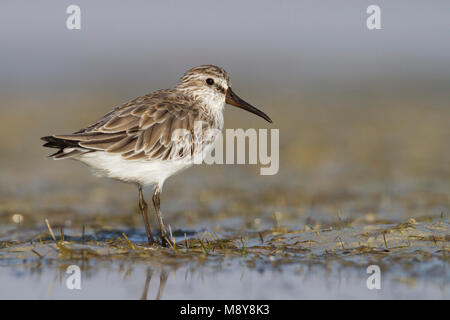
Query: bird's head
x,y
211,85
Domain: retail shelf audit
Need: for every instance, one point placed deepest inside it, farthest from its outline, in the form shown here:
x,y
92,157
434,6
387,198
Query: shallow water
x,y
235,281
275,263
356,187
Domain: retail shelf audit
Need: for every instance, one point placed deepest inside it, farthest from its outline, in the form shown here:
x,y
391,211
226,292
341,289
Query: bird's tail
x,y
66,148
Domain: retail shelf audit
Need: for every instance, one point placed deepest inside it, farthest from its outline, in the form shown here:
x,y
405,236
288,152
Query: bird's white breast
x,y
144,172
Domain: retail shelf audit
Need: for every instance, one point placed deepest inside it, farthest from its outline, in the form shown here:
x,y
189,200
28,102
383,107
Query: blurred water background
x,y
363,117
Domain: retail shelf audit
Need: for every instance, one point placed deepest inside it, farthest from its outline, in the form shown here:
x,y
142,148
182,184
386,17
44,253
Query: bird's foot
x,y
151,242
165,240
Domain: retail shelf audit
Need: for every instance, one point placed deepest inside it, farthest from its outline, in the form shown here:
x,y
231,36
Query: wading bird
x,y
138,142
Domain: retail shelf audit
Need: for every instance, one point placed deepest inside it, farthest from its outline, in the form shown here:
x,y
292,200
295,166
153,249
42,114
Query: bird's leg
x,y
143,206
156,203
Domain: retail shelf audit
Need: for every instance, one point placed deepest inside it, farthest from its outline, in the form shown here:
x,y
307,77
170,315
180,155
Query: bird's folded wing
x,y
146,128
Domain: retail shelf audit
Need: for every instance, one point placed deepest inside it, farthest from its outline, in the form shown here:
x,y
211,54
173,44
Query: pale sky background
x,y
149,44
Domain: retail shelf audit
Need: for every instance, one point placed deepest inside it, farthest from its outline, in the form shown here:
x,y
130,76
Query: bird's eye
x,y
210,81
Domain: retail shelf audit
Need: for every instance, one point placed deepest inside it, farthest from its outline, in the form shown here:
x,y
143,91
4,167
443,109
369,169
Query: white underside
x,y
143,172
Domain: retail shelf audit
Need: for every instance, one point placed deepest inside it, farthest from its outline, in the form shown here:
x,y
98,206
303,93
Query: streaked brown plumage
x,y
139,129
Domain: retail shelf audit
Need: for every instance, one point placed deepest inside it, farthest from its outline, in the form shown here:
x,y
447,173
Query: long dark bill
x,y
234,100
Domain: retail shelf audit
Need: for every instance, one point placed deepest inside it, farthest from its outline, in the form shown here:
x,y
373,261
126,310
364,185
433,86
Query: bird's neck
x,y
215,112
212,105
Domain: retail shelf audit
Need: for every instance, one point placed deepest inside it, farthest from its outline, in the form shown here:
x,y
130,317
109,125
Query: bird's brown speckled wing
x,y
142,128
